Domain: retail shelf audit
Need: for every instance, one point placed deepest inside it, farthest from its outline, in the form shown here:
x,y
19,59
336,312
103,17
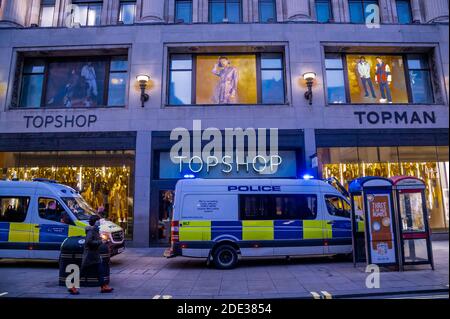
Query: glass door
x,y
413,226
165,210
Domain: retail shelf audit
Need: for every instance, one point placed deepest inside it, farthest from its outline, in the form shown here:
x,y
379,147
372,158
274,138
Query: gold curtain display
x,y
429,172
100,186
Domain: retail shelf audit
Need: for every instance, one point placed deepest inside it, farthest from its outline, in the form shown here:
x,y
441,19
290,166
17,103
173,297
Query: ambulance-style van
x,y
36,217
221,219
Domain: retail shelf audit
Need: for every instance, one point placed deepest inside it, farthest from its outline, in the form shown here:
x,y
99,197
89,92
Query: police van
x,y
36,217
223,219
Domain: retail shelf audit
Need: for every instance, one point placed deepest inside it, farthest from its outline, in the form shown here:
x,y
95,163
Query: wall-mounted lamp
x,y
309,77
143,80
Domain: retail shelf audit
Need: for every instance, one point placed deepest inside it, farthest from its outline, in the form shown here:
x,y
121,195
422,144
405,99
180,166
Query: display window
x,y
378,79
105,179
429,163
72,82
226,79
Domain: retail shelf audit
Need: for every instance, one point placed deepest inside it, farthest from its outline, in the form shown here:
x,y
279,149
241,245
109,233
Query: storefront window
x,y
105,179
419,78
427,163
378,79
73,82
335,79
226,79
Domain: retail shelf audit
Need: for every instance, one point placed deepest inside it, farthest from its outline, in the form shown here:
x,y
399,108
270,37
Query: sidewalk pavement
x,y
141,273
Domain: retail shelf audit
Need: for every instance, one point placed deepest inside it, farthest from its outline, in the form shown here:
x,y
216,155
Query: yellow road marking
x,y
326,294
315,295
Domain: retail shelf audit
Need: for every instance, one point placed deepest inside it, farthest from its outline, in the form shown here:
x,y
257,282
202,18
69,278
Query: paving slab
x,y
141,273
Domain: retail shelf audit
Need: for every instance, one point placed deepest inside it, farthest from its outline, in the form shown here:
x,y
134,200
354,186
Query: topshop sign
x,y
60,121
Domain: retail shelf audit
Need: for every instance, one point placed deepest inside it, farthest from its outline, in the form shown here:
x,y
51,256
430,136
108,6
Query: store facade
x,y
99,166
348,154
71,107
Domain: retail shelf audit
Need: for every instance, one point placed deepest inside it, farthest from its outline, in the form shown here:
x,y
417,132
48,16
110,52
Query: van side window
x,y
51,209
337,206
13,209
279,206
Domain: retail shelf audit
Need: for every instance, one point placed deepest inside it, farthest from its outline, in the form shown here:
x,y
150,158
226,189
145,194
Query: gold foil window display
x,y
427,171
100,186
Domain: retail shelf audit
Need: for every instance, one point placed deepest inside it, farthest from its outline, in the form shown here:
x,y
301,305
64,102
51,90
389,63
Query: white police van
x,y
36,217
220,219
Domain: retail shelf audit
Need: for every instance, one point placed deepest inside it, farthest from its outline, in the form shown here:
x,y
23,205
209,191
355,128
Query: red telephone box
x,y
414,230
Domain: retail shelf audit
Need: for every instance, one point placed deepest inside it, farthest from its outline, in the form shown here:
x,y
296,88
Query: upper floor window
x,y
324,11
267,11
88,13
382,79
73,82
127,12
206,79
360,10
225,11
183,11
47,12
404,14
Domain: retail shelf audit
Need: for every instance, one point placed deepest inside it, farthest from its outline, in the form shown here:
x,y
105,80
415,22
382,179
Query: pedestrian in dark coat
x,y
91,254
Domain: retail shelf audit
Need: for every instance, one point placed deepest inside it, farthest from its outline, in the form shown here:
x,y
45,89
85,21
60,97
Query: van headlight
x,y
104,236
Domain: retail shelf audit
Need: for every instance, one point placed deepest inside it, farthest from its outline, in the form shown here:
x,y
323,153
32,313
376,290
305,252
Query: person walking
x,y
91,255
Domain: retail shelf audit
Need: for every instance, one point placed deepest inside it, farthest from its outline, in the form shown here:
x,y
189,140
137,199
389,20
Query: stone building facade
x,y
117,155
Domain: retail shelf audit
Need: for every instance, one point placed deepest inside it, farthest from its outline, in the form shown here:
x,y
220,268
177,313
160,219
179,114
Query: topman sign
x,y
395,117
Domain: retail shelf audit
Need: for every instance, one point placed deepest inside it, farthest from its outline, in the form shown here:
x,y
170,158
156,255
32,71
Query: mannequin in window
x,y
226,88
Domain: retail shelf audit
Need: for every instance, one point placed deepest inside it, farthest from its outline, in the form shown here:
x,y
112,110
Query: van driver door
x,y
337,225
52,228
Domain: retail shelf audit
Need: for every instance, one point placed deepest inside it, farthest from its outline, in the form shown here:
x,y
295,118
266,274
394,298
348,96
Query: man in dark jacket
x,y
91,254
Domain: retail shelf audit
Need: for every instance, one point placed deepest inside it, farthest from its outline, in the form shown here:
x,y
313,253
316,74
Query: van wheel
x,y
225,257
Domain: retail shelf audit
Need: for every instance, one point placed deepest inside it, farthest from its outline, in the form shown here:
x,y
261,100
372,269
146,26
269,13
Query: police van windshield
x,y
79,207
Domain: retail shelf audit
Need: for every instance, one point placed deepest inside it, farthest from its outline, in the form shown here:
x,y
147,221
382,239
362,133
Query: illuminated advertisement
x,y
376,79
381,233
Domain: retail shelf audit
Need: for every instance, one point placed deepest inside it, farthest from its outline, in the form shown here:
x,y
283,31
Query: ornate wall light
x,y
309,77
143,80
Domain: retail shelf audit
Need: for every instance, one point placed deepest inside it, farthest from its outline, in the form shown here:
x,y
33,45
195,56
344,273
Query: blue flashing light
x,y
308,177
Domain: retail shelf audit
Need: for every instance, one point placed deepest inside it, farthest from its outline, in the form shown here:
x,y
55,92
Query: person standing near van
x,y
91,254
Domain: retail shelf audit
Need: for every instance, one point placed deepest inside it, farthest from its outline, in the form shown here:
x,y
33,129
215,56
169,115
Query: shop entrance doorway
x,y
166,198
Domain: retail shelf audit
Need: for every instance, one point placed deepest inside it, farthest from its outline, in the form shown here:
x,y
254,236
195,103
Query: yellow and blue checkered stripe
x,y
262,230
19,235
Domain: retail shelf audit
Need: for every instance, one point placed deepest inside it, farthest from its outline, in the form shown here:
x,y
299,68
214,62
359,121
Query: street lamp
x,y
309,77
143,80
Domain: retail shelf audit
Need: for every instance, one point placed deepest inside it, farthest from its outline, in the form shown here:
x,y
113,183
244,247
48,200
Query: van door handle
x,y
331,222
37,226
